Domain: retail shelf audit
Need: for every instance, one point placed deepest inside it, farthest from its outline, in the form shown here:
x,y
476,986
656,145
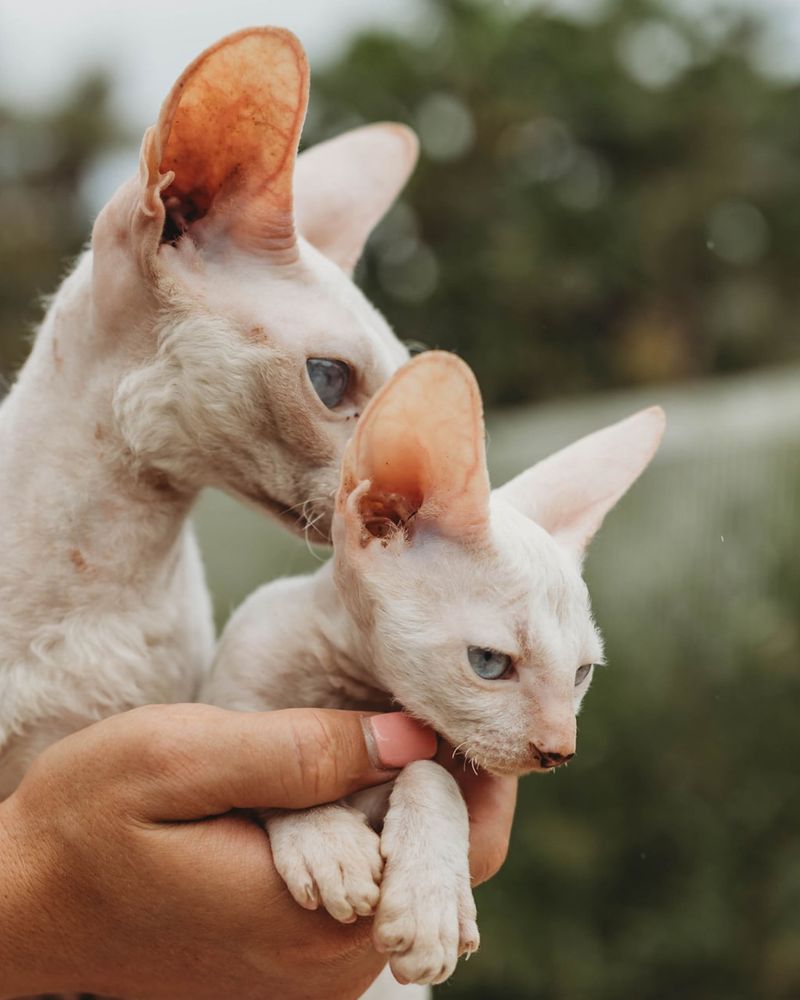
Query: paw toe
x,y
425,966
393,935
302,887
469,937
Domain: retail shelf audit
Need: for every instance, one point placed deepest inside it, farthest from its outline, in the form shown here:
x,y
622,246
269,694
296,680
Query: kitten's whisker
x,y
310,522
303,503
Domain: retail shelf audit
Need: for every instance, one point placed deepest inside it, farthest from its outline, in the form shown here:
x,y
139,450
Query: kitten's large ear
x,y
343,187
571,492
220,161
420,446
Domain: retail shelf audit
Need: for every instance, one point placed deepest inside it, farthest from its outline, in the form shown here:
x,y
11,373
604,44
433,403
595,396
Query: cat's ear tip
x,y
656,418
447,372
442,359
657,412
397,140
407,136
268,33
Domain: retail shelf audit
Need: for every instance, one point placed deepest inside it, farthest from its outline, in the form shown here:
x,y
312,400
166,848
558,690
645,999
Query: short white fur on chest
x,y
102,600
463,606
174,357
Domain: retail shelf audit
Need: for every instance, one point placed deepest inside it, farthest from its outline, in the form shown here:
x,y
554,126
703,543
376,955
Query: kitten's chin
x,y
501,767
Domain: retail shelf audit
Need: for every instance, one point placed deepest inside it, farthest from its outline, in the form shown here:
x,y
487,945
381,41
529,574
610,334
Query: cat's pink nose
x,y
548,759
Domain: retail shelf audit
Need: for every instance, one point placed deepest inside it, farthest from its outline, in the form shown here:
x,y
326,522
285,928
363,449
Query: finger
x,y
212,760
491,800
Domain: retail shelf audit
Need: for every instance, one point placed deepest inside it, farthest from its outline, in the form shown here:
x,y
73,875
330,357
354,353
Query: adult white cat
x,y
464,606
202,340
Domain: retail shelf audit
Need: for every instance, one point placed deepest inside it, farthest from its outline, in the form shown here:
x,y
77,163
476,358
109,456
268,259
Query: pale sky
x,y
44,44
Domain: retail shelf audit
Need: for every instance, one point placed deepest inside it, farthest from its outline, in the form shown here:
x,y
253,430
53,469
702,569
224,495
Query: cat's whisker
x,y
305,503
310,523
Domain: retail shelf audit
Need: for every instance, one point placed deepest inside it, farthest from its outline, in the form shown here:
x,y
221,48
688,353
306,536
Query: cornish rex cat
x,y
211,336
464,606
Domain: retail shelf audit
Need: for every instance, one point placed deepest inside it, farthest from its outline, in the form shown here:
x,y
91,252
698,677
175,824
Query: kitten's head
x,y
223,274
472,601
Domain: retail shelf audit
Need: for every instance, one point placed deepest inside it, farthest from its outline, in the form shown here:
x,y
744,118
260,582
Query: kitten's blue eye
x,y
582,673
488,663
330,380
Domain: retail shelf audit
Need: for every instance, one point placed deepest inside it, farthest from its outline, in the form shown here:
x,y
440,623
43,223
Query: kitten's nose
x,y
550,758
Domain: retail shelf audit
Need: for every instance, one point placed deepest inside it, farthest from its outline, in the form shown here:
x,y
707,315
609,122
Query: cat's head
x,y
223,274
472,601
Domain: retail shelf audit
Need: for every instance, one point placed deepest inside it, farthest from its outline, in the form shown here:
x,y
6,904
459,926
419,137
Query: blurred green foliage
x,y
44,159
598,203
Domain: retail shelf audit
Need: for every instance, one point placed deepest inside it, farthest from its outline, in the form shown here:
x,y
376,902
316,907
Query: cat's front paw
x,y
328,856
425,920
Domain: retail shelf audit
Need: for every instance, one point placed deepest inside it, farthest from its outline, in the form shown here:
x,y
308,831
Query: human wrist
x,y
27,914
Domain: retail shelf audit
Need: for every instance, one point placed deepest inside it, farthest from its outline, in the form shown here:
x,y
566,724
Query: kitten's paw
x,y
328,856
469,938
425,920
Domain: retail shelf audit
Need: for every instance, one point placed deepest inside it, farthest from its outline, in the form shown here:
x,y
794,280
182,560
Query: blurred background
x,y
606,214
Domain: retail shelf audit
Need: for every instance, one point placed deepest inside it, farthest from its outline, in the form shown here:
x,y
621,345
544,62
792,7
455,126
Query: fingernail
x,y
395,739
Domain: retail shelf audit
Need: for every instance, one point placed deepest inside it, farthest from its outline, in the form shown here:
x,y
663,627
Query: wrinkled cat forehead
x,y
524,550
310,299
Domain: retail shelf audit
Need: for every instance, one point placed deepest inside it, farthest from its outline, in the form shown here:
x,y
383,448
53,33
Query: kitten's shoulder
x,y
260,638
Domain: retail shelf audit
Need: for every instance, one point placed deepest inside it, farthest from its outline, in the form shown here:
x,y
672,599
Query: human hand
x,y
491,800
128,869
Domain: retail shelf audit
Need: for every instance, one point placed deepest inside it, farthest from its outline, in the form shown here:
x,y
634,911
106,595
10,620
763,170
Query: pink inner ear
x,y
420,443
229,132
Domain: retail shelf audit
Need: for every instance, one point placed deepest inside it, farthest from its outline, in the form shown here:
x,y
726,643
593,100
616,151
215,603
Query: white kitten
x,y
465,607
202,341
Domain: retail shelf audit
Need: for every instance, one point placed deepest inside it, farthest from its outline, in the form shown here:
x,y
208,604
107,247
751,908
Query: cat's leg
x,y
328,856
426,915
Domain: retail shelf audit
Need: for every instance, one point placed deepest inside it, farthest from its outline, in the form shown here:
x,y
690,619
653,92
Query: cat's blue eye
x,y
330,380
488,663
582,673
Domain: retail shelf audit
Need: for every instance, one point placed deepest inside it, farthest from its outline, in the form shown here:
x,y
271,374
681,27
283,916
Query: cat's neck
x,y
79,524
348,661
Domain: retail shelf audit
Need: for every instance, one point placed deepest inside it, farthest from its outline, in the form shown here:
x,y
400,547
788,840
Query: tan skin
x,y
130,867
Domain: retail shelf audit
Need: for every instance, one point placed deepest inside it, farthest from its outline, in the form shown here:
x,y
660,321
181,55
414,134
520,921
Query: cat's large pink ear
x,y
420,446
343,187
219,163
571,492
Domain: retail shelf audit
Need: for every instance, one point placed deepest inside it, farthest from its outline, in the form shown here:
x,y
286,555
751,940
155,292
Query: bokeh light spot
x,y
445,125
653,54
738,232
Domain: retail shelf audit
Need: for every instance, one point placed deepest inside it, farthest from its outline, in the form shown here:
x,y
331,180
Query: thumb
x,y
288,759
